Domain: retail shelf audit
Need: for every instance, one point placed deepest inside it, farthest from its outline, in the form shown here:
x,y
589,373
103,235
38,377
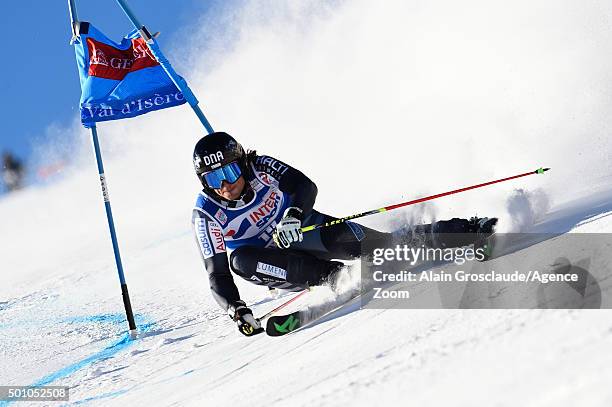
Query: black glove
x,y
247,324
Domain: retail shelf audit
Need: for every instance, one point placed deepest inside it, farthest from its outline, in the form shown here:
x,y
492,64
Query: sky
x,y
38,75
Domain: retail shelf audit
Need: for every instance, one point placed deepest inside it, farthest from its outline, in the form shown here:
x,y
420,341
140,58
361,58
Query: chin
x,y
229,196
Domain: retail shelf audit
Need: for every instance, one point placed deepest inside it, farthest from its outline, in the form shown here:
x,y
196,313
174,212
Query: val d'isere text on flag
x,y
120,80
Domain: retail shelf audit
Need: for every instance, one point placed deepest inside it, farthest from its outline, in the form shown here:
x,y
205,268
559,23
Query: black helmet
x,y
215,151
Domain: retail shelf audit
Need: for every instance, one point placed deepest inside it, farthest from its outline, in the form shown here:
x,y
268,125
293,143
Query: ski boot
x,y
336,272
484,228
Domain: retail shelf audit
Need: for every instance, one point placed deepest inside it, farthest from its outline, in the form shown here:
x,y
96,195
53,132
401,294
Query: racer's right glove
x,y
248,325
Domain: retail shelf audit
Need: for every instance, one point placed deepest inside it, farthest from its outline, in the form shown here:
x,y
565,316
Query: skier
x,y
12,172
256,205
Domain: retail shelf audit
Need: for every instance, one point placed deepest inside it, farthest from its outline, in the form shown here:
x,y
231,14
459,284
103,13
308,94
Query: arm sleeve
x,y
301,190
212,249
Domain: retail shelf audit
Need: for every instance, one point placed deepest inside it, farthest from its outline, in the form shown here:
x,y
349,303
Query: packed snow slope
x,y
378,103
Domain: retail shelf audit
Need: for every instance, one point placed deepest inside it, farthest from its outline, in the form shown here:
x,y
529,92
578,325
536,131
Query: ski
x,y
486,243
279,325
284,304
486,247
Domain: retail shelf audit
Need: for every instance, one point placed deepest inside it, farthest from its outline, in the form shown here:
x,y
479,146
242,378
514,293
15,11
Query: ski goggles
x,y
229,172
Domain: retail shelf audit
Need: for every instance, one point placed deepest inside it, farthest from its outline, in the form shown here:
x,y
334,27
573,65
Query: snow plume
x,y
524,208
380,103
409,216
59,152
386,102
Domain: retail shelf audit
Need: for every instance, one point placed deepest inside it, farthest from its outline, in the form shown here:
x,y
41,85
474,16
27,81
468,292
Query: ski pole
x,y
419,200
283,305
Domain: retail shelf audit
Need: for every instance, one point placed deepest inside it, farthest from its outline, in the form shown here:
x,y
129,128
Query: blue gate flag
x,y
120,80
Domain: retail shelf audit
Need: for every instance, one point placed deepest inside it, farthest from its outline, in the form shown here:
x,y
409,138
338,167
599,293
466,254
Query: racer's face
x,y
231,191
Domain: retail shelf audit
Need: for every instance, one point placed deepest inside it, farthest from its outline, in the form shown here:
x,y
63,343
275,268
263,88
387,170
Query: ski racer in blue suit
x,y
255,206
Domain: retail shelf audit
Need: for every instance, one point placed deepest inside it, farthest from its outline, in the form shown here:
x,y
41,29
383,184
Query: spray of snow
x,y
378,102
525,209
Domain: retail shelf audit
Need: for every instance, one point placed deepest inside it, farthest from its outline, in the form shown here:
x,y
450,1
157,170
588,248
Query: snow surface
x,y
377,103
